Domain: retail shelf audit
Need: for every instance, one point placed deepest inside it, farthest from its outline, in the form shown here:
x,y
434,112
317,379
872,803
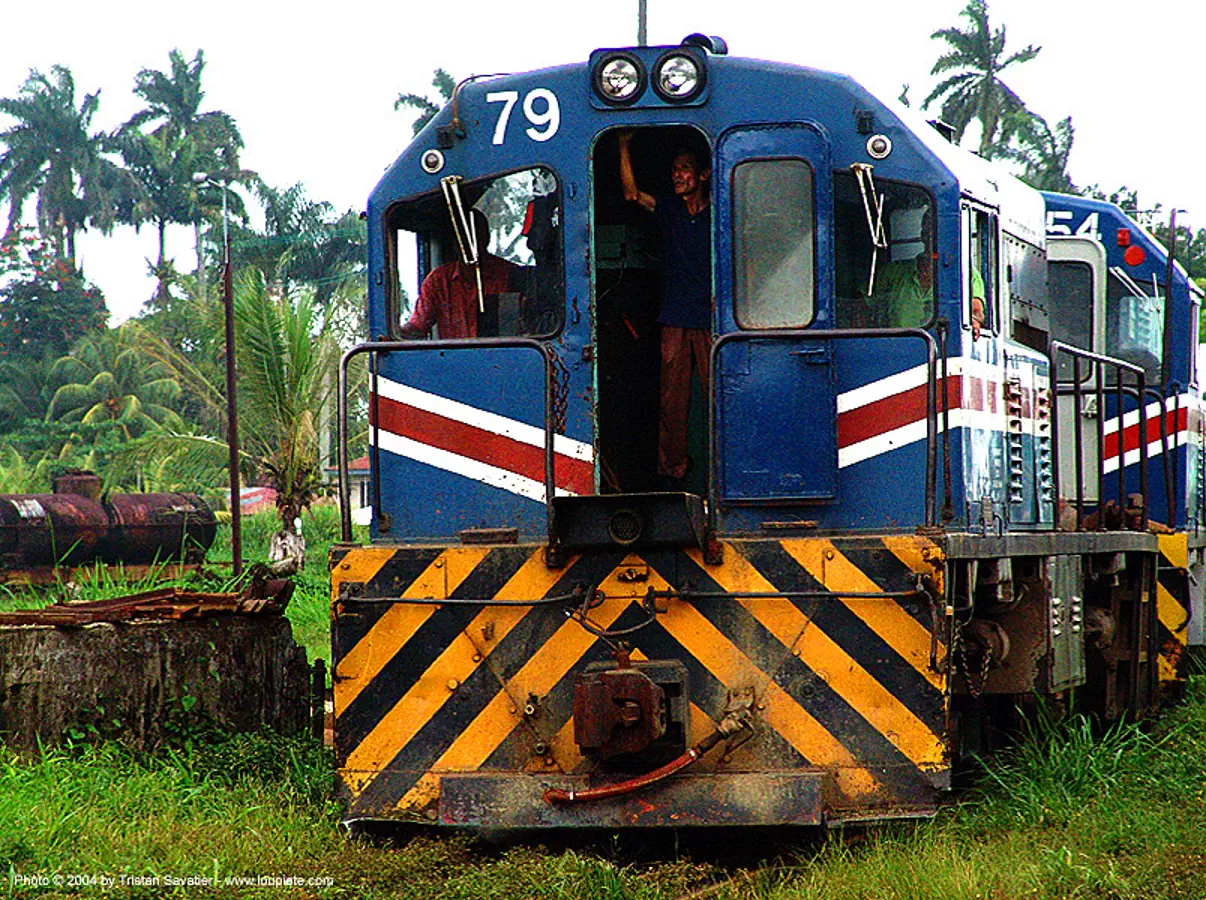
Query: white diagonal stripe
x,y
483,419
469,468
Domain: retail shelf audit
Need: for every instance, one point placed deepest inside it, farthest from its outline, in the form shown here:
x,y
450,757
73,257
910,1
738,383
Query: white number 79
x,y
544,123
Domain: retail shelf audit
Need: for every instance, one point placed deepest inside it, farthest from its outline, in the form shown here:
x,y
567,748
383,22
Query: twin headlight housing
x,y
677,75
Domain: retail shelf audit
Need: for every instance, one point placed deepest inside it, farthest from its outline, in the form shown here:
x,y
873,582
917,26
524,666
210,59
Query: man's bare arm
x,y
628,178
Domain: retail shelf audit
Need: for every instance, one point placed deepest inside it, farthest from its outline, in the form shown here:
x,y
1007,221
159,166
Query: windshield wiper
x,y
465,231
875,219
1130,284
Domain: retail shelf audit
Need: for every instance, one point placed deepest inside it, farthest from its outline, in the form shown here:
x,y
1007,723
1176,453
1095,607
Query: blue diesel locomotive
x,y
902,514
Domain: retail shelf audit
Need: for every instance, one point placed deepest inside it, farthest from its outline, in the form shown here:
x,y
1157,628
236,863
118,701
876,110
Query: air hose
x,y
729,726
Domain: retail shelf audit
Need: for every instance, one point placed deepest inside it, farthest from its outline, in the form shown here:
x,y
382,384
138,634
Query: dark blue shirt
x,y
686,263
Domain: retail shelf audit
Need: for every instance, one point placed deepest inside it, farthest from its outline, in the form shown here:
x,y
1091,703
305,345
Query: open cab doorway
x,y
633,272
629,275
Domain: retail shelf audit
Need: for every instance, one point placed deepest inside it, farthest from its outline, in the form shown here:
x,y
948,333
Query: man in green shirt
x,y
906,289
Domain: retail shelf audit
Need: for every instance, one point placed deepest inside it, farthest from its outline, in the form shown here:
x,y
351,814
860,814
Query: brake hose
x,y
730,725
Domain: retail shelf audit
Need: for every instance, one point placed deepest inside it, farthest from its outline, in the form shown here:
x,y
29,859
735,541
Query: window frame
x,y
936,273
390,230
994,314
1095,327
1165,317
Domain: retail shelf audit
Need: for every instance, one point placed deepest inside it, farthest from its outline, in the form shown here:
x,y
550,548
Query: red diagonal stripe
x,y
1177,421
483,446
895,411
880,416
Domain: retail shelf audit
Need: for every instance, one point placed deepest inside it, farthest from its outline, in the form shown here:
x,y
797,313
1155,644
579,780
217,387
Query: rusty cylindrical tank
x,y
50,529
40,530
145,528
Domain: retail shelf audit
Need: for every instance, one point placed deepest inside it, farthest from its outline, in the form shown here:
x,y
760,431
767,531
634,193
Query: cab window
x,y
1135,324
516,219
883,252
1070,292
982,269
774,243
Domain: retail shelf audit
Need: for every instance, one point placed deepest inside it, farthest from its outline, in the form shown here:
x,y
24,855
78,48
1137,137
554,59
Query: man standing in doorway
x,y
684,219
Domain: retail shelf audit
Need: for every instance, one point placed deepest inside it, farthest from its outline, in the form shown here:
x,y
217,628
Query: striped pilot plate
x,y
1172,607
844,683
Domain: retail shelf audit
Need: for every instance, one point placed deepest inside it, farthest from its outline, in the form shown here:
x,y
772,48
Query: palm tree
x,y
976,90
50,152
164,174
286,353
286,357
444,84
181,142
303,242
108,378
1041,151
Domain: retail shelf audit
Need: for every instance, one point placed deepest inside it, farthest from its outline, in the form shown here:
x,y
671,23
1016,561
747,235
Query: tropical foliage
x,y
145,403
303,242
974,89
51,152
45,303
287,357
444,84
168,144
108,377
1040,150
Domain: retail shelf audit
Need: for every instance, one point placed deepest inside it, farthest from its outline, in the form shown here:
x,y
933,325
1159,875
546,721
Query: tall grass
x,y
1072,814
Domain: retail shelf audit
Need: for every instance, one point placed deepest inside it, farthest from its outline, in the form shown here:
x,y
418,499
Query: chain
x,y
985,665
958,653
560,393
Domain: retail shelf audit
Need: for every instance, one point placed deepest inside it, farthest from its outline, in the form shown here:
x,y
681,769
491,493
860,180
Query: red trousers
x,y
679,347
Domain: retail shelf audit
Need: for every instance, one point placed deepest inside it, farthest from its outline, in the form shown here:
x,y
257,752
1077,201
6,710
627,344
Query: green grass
x,y
1068,815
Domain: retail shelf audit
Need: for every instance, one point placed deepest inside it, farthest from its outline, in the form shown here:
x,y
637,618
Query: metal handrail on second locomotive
x,y
1099,389
931,398
375,347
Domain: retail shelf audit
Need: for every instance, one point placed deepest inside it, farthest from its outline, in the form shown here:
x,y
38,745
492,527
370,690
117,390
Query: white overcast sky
x,y
312,88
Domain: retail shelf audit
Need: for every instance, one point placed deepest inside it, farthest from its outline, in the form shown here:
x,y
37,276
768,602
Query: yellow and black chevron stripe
x,y
844,685
1172,606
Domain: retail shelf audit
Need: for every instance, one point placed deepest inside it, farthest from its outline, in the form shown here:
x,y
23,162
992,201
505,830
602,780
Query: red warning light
x,y
1124,237
1134,255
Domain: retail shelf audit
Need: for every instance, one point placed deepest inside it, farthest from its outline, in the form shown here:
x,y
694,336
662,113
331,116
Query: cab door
x,y
1077,287
776,436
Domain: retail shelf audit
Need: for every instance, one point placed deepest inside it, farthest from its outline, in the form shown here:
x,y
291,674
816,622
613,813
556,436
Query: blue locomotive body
x,y
895,525
826,424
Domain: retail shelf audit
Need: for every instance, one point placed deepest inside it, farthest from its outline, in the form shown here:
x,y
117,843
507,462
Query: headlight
x,y
619,79
678,76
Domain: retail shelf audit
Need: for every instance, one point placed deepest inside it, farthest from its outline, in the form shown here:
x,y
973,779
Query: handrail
x,y
375,347
1099,362
1170,469
811,334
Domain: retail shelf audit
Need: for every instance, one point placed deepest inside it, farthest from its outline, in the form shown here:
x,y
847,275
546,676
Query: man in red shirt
x,y
448,298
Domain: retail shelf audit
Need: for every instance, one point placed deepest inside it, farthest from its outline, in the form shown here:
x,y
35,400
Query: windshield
x,y
883,254
516,285
1135,323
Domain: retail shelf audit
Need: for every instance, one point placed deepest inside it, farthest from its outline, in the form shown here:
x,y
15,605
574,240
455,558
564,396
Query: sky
x,y
313,88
